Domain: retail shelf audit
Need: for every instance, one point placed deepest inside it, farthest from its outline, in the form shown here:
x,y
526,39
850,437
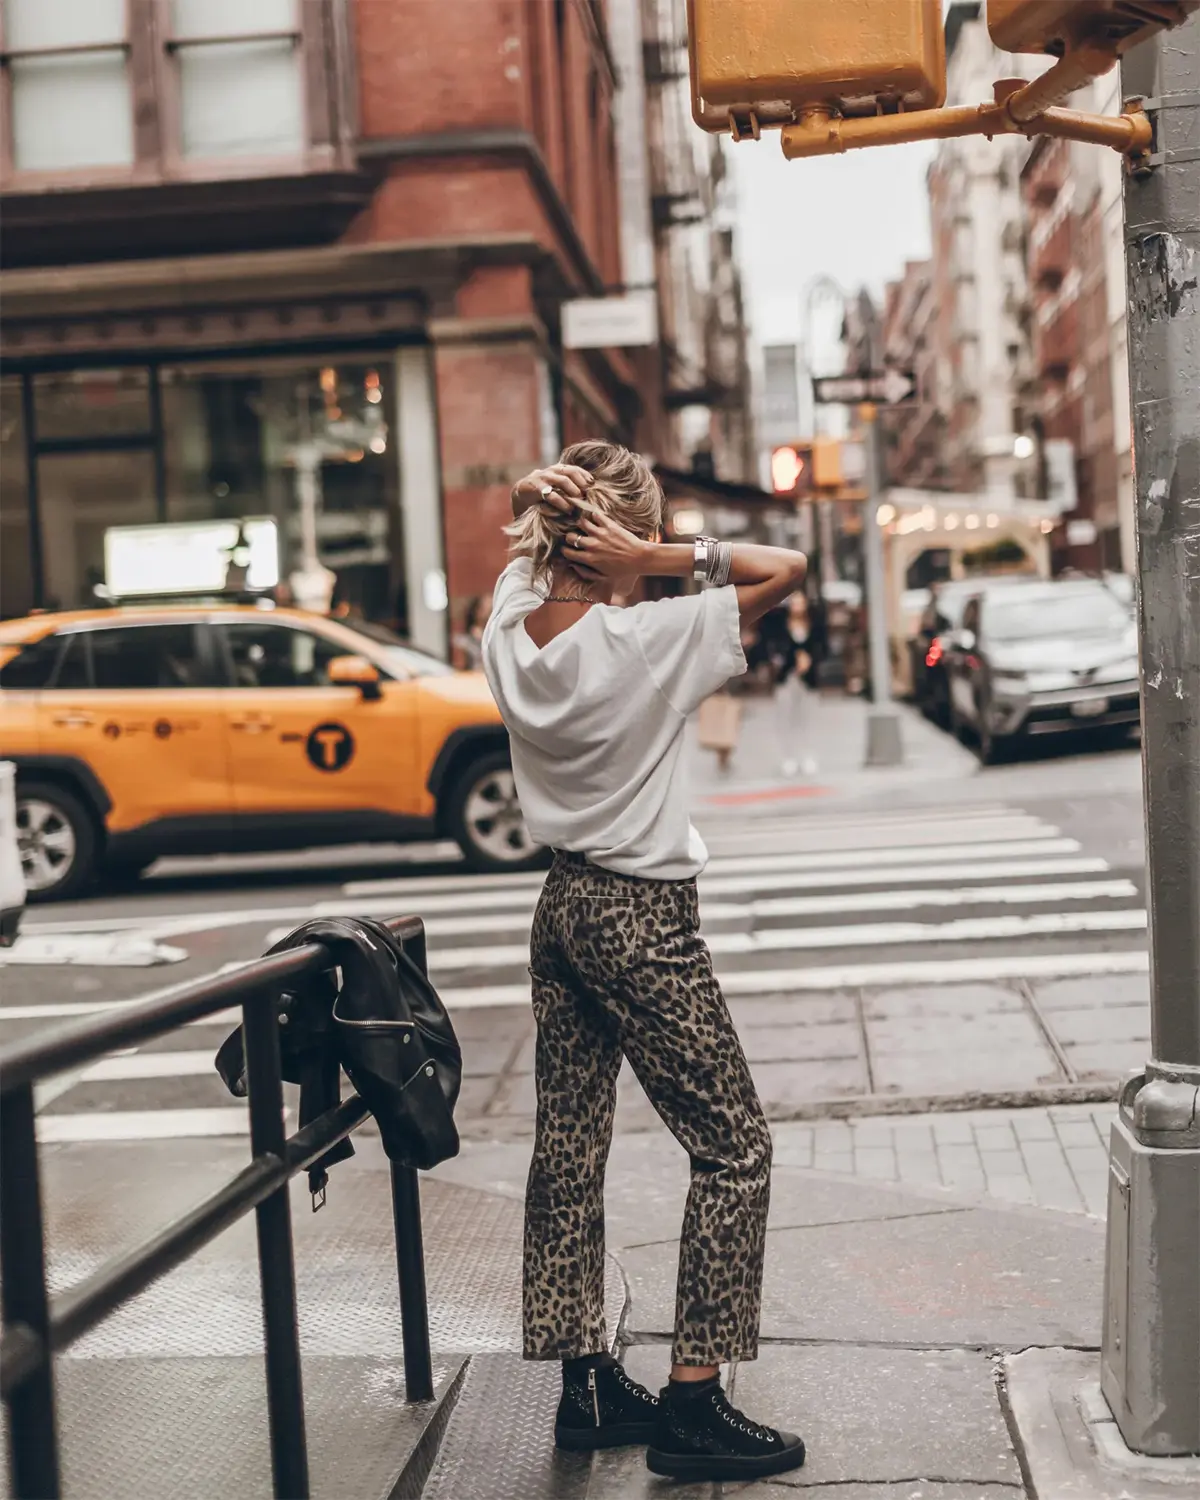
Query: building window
x,y
239,71
68,63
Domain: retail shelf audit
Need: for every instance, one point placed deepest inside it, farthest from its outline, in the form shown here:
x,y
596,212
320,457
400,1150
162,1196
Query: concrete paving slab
x,y
803,1041
873,1415
1071,1444
1107,1059
1109,1023
967,1070
1096,992
785,1085
800,1009
988,1277
969,1000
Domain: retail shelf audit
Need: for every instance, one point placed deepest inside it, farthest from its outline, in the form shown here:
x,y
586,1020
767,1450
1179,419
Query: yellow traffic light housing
x,y
1060,26
756,62
835,75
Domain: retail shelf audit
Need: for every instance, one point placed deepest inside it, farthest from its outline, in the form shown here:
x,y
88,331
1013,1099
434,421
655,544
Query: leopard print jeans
x,y
619,969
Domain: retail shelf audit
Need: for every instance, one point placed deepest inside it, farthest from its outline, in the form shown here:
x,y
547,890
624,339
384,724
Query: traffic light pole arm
x,y
822,133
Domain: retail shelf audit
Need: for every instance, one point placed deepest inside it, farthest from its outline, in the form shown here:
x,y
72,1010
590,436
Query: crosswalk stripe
x,y
851,858
867,976
729,885
802,906
843,935
142,1125
786,839
150,1065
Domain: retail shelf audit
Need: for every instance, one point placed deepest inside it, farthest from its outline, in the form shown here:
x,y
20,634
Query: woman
x,y
595,696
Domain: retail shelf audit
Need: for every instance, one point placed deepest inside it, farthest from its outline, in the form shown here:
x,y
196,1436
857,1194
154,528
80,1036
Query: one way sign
x,y
885,387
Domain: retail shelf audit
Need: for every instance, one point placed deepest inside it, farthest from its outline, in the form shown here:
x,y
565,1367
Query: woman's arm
x,y
763,576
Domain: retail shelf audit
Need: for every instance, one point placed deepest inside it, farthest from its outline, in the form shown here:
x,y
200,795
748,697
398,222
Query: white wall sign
x,y
610,322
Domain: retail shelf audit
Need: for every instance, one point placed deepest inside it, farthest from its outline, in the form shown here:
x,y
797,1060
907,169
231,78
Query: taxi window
x,y
276,656
33,666
147,656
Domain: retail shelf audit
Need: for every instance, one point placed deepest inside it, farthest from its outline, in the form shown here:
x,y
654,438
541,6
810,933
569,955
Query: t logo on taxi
x,y
330,747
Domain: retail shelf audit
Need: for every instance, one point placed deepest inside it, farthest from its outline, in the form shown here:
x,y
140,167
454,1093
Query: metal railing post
x,y
410,1268
410,1249
276,1266
32,1440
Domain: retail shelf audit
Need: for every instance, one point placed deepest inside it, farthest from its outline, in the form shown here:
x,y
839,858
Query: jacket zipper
x,y
595,1397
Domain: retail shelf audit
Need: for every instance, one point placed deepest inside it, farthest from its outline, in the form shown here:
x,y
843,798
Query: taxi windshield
x,y
409,661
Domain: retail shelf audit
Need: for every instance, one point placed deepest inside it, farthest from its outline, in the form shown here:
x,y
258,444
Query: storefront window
x,y
16,576
80,496
82,404
236,434
214,440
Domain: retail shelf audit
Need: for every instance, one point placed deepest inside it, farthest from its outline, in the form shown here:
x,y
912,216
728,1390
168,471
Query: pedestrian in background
x,y
468,642
596,697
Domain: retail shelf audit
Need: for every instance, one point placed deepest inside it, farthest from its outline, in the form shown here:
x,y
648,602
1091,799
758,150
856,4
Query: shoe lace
x,y
632,1386
729,1413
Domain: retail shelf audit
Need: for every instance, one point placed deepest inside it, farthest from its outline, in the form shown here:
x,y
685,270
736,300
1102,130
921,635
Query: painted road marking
x,y
142,1125
129,1066
866,976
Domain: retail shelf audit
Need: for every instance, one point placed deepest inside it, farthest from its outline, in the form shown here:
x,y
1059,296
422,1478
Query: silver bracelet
x,y
720,564
703,550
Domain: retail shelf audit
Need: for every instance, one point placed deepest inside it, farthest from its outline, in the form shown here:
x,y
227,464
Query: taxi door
x,y
137,703
301,746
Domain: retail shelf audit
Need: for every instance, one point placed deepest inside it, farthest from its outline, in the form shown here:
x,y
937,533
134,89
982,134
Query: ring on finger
x,y
546,491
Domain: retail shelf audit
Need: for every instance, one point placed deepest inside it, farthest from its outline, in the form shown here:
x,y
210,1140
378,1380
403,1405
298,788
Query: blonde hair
x,y
623,487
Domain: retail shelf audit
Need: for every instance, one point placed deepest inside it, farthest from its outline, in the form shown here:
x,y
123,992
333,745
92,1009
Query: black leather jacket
x,y
383,1024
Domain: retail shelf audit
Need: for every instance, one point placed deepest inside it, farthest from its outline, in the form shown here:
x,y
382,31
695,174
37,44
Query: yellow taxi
x,y
218,728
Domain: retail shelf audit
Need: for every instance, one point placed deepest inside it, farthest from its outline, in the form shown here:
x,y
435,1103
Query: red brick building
x,y
1071,340
230,230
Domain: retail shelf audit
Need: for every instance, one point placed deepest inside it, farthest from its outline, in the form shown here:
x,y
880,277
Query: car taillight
x,y
934,654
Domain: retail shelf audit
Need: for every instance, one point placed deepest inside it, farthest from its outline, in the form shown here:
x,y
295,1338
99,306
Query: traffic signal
x,y
1060,26
791,469
759,62
817,468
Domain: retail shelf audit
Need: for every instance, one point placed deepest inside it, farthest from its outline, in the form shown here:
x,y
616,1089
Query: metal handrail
x,y
35,1327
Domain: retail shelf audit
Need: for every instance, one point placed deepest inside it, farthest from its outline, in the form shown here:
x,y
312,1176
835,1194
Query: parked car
x,y
197,729
927,647
1048,658
12,884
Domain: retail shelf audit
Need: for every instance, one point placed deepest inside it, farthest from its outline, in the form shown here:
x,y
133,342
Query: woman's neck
x,y
566,585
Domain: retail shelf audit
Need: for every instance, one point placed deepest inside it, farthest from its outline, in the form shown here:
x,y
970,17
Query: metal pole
x,y
32,1443
276,1265
410,1269
884,746
1150,1370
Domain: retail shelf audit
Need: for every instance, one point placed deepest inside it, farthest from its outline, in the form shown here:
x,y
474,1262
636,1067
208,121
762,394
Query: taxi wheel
x,y
57,840
485,818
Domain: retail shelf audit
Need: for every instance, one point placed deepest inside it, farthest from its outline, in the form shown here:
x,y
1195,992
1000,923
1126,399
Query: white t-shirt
x,y
596,718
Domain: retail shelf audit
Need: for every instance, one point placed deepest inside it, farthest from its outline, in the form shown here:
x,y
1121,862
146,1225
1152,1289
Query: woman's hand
x,y
598,547
557,487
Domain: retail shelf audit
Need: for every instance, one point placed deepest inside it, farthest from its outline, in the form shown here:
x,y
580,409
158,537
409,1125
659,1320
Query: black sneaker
x,y
701,1436
604,1409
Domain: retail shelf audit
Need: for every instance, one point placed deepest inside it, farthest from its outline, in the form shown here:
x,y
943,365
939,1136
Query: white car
x,y
12,882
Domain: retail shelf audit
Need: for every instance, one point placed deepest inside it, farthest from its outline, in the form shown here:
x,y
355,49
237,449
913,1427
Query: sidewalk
x,y
897,1319
826,736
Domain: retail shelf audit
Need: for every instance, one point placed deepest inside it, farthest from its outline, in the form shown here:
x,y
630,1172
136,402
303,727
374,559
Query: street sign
x,y
624,322
884,387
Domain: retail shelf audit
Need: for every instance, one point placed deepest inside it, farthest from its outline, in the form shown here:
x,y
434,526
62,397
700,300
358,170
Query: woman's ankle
x,y
685,1374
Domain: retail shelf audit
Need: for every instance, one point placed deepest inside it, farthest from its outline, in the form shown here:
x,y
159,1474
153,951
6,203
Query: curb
x,y
1103,1091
